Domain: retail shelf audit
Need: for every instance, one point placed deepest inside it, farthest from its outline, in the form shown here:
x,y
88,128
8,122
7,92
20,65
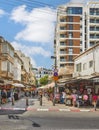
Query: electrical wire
x,y
30,5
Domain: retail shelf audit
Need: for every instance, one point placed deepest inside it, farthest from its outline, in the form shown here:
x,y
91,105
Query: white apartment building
x,y
26,61
17,68
87,63
41,72
77,29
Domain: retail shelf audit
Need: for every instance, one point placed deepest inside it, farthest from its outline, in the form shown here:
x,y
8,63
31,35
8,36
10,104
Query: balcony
x,y
62,60
63,46
62,36
94,38
62,29
94,13
94,30
63,53
62,21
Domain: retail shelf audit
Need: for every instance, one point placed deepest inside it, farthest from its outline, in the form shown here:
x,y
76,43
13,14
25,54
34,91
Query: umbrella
x,y
18,85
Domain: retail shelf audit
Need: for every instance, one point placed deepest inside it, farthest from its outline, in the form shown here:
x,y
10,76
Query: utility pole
x,y
55,77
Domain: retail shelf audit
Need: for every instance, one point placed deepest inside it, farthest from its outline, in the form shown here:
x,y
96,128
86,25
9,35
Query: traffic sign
x,y
55,74
55,78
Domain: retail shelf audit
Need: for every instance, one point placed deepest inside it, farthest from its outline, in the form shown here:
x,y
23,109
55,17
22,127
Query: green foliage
x,y
44,80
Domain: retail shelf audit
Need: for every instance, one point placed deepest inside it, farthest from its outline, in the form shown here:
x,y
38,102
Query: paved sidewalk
x,y
34,105
48,106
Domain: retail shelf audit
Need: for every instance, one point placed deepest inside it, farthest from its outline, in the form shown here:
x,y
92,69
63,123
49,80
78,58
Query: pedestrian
x,y
4,96
74,98
63,97
94,101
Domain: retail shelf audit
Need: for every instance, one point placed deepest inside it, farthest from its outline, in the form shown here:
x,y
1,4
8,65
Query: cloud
x,y
30,51
2,12
79,1
38,24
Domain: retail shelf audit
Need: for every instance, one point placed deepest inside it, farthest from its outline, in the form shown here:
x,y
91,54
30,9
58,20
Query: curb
x,y
60,110
6,108
50,109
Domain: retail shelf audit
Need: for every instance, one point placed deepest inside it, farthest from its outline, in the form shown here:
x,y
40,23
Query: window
x,y
70,58
62,43
70,51
92,21
80,43
62,28
11,53
70,19
62,59
94,11
62,51
4,65
92,28
4,48
70,27
92,36
70,42
92,44
81,18
78,67
80,26
90,63
62,35
62,65
74,10
84,66
70,34
97,35
97,28
62,20
97,20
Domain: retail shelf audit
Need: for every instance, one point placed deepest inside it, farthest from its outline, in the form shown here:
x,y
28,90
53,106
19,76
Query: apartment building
x,y
41,72
6,59
76,31
87,63
26,68
17,72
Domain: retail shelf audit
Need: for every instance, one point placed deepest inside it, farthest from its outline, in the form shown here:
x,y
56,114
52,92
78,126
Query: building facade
x,y
17,68
87,63
26,68
41,72
76,31
6,59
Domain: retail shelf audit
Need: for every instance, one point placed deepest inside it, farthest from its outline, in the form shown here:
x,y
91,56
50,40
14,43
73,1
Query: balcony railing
x,y
62,60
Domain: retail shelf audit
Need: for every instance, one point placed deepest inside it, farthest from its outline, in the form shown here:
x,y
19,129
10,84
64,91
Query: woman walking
x,y
94,99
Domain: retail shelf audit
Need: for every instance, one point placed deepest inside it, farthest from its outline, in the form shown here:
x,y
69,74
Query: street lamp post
x,y
55,77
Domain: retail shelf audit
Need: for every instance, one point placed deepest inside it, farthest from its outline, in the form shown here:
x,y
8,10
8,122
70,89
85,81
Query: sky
x,y
29,25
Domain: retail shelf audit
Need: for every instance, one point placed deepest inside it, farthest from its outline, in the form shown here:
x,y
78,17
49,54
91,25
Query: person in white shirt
x,y
63,96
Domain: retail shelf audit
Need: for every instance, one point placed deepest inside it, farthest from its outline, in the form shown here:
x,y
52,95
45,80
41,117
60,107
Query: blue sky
x,y
29,26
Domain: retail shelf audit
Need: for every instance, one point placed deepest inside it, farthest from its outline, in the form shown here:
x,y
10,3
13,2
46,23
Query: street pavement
x,y
46,117
47,105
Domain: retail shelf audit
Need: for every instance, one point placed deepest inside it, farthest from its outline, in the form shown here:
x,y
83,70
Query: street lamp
x,y
55,77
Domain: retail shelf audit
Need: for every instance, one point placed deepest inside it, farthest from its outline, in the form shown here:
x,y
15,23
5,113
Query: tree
x,y
44,80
